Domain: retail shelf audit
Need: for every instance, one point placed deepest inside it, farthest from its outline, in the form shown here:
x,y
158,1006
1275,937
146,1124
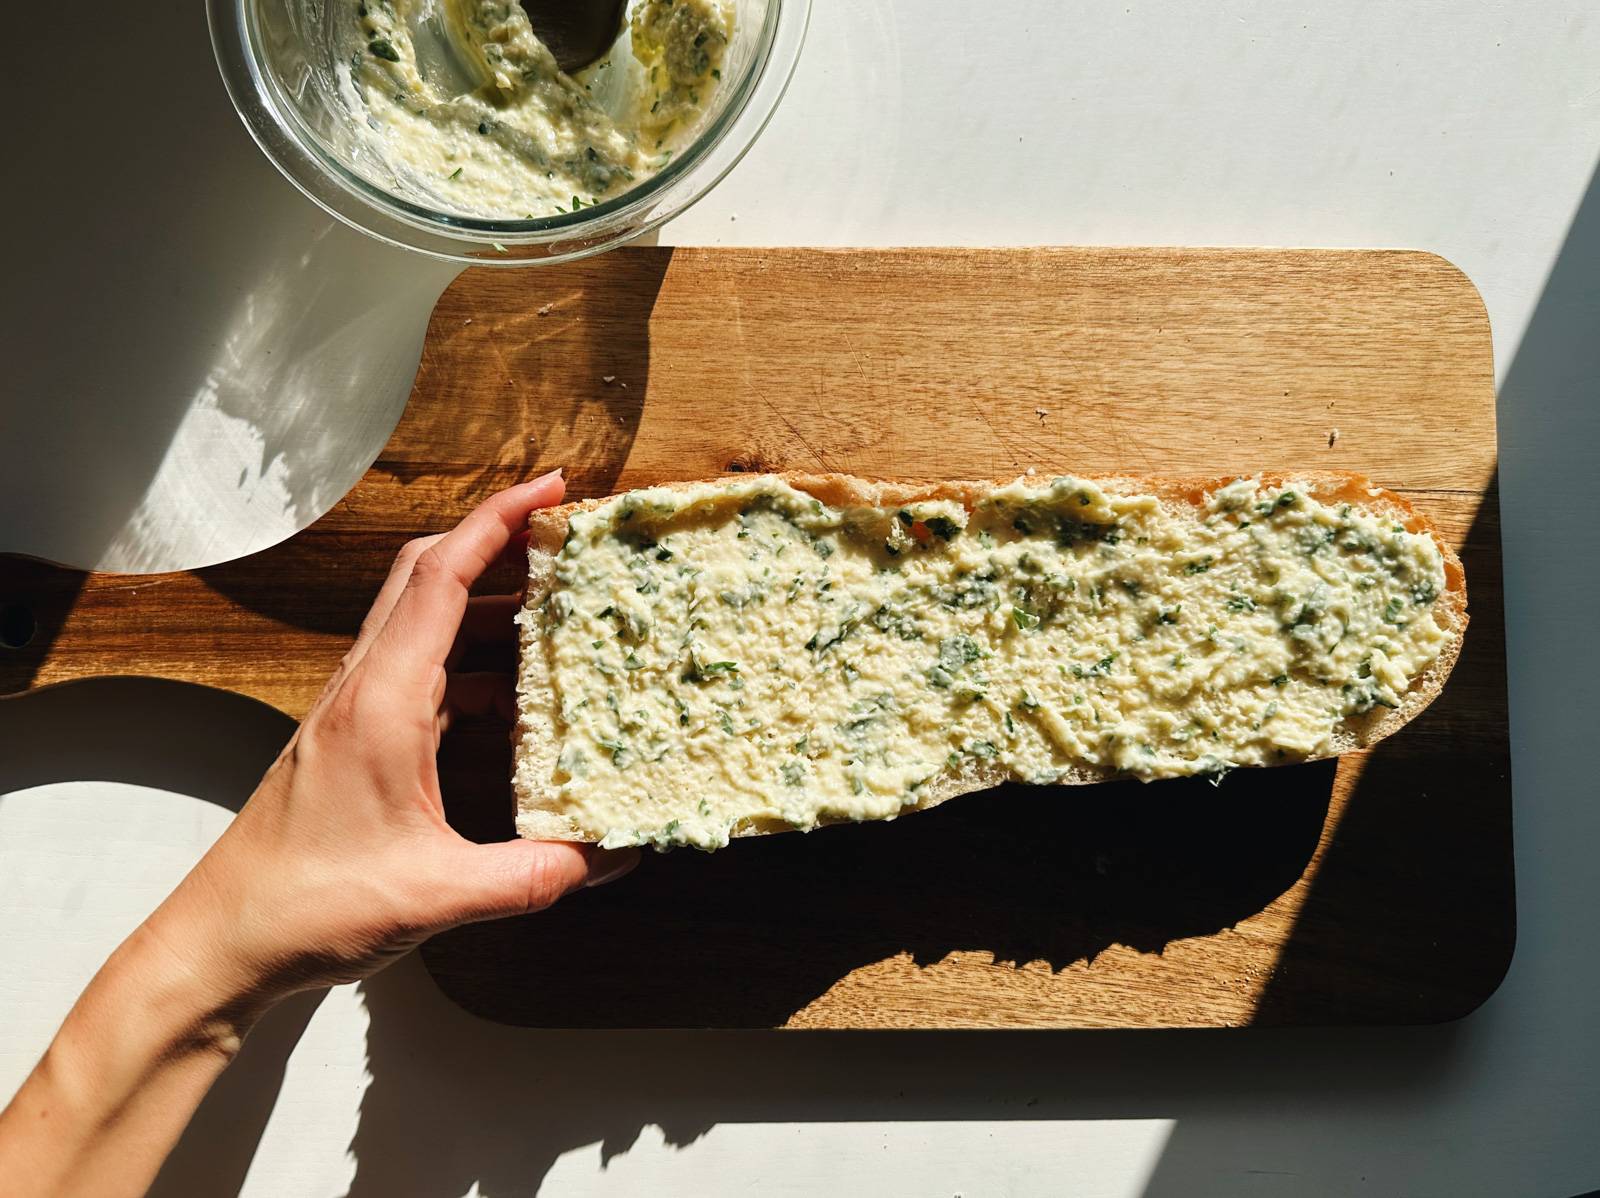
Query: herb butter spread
x,y
740,654
528,141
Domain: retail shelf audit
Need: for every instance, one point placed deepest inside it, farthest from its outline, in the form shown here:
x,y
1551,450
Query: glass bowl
x,y
279,72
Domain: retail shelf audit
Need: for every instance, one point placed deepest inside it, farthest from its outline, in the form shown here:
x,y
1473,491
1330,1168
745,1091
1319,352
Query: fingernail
x,y
607,865
552,475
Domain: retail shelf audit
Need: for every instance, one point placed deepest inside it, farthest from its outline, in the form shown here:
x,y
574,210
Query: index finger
x,y
422,626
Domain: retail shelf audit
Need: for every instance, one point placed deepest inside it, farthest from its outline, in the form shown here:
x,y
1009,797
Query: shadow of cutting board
x,y
1374,890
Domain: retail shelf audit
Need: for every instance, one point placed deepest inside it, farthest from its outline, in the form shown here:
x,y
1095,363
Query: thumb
x,y
514,877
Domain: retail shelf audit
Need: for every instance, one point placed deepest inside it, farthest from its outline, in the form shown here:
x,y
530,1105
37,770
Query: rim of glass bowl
x,y
300,157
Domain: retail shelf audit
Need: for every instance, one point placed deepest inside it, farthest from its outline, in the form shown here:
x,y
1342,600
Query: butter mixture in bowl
x,y
528,140
448,127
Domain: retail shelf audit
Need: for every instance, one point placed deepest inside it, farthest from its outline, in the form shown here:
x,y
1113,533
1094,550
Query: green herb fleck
x,y
956,651
704,671
1099,670
824,639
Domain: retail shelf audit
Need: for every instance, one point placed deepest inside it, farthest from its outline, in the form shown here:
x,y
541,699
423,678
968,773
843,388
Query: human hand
x,y
342,861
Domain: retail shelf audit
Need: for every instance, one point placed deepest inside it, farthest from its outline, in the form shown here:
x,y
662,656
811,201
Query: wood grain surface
x,y
1377,890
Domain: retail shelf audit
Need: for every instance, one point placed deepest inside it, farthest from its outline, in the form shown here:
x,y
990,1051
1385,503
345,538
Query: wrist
x,y
135,1056
190,1003
190,948
146,1012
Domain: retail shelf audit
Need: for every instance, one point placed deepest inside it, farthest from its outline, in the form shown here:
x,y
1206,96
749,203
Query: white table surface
x,y
199,363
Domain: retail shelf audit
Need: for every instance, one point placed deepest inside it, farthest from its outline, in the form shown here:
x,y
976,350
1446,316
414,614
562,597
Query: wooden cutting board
x,y
1377,890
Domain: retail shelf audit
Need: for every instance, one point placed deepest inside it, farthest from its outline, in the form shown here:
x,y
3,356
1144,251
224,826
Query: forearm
x,y
122,1078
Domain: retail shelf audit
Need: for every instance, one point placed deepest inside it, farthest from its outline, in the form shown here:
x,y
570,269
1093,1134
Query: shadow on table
x,y
163,735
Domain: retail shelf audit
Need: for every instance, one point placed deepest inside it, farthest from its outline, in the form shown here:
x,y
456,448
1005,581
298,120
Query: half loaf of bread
x,y
761,653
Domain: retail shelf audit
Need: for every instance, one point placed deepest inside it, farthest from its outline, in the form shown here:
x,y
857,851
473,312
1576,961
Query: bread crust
x,y
536,747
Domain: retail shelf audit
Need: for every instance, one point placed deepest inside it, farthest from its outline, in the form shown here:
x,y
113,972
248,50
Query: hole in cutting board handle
x,y
17,625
